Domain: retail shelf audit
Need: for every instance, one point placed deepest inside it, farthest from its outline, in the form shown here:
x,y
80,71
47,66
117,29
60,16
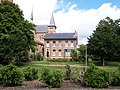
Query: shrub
x,y
36,57
30,73
57,79
115,78
53,79
46,75
68,72
11,76
96,78
1,68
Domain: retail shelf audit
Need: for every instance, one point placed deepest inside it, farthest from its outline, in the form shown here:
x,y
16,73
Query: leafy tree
x,y
105,40
82,50
75,55
16,36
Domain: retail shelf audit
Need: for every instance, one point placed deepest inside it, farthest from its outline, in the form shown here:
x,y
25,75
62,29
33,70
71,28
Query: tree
x,y
82,50
75,55
16,34
105,40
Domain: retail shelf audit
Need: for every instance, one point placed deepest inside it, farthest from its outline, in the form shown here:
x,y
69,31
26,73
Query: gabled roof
x,y
59,36
52,21
41,28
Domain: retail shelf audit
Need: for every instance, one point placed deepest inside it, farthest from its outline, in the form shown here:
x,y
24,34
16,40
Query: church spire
x,y
31,18
51,26
52,21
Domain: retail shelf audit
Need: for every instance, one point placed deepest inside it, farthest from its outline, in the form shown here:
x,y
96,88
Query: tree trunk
x,y
103,61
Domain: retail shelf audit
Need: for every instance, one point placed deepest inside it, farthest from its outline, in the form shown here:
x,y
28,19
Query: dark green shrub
x,y
11,76
57,79
46,75
1,68
53,79
68,72
115,78
119,67
36,57
96,78
30,73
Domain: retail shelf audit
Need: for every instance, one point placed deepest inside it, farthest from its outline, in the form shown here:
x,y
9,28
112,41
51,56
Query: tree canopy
x,y
16,36
105,40
82,50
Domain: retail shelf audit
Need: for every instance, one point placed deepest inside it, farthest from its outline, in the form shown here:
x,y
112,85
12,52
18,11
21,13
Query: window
x,y
72,45
54,53
51,27
66,43
67,52
47,44
60,44
59,53
54,44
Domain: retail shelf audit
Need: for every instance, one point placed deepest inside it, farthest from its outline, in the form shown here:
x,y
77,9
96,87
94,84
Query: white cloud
x,y
68,18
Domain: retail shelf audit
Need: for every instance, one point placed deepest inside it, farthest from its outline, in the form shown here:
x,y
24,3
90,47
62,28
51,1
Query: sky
x,y
71,15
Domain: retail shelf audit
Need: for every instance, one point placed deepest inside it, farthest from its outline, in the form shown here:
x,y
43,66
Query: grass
x,y
111,66
58,63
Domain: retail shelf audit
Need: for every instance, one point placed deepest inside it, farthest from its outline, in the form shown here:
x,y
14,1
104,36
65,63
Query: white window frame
x,y
47,45
66,43
59,53
54,44
60,44
72,44
54,53
67,52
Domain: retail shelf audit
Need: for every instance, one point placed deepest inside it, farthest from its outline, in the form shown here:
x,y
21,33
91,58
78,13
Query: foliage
x,y
30,73
119,67
75,55
16,35
1,68
36,57
82,50
105,40
115,78
53,79
11,76
96,78
68,72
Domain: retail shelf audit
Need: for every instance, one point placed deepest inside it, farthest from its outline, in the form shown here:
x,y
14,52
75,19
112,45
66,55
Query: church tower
x,y
6,0
52,27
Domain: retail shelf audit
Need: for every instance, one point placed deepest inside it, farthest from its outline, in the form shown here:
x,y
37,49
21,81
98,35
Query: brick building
x,y
52,44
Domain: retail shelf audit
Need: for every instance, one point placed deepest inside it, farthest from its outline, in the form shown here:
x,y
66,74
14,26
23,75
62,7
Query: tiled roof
x,y
41,28
60,36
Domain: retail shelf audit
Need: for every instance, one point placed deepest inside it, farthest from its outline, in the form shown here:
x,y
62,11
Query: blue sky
x,y
88,4
71,15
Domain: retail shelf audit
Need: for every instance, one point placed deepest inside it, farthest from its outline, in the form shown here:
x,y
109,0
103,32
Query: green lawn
x,y
58,63
75,70
111,66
